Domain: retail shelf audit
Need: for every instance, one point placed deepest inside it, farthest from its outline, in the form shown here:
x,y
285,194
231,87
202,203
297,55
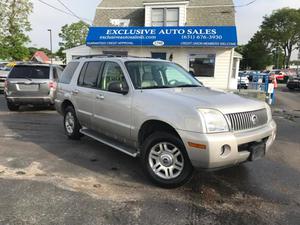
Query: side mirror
x,y
118,87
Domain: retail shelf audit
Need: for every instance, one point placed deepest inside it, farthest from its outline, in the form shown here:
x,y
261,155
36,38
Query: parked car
x,y
33,84
279,75
155,110
3,76
243,81
293,82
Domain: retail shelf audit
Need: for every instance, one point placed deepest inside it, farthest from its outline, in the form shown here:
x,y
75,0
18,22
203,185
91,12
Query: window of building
x,y
202,65
112,72
116,53
159,55
68,73
89,74
165,17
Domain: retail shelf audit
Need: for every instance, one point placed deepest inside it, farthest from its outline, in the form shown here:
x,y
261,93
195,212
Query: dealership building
x,y
200,35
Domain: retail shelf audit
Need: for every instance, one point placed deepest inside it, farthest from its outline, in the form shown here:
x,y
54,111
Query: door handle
x,y
100,97
75,92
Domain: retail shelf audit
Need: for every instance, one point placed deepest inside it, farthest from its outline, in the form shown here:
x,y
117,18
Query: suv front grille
x,y
247,120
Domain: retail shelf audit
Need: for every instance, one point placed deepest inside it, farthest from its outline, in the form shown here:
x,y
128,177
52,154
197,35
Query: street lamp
x,y
50,31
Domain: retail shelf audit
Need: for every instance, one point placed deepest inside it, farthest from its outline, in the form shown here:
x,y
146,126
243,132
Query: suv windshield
x,y
155,74
30,72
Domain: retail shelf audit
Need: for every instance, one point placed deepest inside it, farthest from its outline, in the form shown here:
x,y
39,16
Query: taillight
x,y
6,83
52,84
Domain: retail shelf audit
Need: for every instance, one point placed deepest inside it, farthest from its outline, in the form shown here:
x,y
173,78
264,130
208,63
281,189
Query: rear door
x,y
29,81
85,92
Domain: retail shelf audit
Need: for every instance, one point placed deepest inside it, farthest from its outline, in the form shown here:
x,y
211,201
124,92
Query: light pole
x,y
50,31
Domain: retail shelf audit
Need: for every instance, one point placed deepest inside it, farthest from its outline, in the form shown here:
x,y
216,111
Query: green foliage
x,y
282,30
73,35
256,54
13,27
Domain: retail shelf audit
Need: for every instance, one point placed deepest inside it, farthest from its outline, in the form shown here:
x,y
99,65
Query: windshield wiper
x,y
156,87
188,85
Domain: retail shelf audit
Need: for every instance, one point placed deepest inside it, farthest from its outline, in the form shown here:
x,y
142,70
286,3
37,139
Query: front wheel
x,y
166,161
71,124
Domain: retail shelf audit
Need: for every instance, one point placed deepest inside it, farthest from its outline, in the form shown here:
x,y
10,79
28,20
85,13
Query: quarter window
x,y
202,65
68,73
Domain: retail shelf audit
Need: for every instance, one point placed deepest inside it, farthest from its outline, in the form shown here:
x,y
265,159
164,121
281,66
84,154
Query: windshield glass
x,y
30,72
155,74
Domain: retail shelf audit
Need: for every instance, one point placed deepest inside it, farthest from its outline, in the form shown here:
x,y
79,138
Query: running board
x,y
110,142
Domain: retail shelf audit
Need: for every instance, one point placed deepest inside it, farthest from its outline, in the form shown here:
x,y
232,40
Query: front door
x,y
112,115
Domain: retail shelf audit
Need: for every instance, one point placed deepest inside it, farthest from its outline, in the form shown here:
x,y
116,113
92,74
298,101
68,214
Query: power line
x,y
67,8
247,4
62,11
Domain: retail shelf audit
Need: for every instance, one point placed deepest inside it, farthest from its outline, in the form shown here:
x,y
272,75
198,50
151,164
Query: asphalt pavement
x,y
47,179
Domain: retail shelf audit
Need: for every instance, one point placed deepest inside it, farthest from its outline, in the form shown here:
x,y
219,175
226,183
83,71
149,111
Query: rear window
x,y
68,73
30,72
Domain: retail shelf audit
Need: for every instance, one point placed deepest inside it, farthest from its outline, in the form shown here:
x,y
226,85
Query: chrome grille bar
x,y
247,120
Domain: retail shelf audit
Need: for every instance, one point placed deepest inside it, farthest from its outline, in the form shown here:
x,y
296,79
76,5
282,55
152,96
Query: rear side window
x,y
68,73
30,72
89,74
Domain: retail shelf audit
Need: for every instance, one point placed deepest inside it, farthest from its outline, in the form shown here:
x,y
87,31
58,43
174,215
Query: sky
x,y
248,19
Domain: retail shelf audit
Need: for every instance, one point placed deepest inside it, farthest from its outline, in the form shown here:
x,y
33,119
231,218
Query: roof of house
x,y
41,57
199,12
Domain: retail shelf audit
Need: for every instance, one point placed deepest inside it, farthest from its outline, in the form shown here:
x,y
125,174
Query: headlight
x,y
269,112
214,120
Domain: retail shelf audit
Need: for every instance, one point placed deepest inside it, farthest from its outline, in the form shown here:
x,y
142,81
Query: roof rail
x,y
108,55
93,56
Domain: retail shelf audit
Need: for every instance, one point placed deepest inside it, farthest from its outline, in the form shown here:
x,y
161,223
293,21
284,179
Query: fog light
x,y
225,150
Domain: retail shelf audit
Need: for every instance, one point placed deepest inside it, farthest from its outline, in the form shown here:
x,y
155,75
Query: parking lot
x,y
47,179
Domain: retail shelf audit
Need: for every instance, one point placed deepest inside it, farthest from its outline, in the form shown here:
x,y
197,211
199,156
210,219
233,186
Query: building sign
x,y
219,36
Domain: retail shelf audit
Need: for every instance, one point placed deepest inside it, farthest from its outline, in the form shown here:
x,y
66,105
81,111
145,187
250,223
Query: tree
x,y
14,25
73,35
282,30
256,54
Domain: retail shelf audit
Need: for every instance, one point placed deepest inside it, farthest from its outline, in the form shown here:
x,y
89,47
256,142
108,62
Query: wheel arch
x,y
65,104
153,125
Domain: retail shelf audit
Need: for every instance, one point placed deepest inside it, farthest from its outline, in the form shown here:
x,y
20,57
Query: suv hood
x,y
202,97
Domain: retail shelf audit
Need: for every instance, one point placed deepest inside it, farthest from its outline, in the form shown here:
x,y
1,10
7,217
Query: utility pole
x,y
50,31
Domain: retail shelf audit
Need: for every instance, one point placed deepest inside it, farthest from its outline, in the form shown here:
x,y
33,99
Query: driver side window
x,y
112,73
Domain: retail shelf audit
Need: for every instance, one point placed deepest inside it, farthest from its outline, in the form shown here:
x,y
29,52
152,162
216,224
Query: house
x,y
200,35
40,57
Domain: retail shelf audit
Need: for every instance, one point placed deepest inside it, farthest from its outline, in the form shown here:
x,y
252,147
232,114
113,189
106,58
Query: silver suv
x,y
33,84
155,110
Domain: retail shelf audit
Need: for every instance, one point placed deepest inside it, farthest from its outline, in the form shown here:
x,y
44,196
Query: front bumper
x,y
211,158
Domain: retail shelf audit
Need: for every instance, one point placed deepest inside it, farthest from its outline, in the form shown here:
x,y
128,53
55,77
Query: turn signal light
x,y
196,145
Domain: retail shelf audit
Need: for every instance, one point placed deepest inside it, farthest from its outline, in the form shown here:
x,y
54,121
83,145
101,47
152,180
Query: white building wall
x,y
223,64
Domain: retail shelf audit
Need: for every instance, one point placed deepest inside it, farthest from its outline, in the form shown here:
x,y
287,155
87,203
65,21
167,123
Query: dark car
x,y
293,83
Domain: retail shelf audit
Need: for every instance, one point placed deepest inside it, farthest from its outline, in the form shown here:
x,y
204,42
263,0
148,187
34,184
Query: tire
x,y
12,107
159,151
71,124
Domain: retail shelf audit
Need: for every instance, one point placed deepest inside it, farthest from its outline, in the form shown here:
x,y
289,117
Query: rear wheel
x,y
166,161
71,124
12,107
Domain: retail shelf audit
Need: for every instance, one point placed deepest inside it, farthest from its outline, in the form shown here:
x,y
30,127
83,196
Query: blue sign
x,y
217,36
